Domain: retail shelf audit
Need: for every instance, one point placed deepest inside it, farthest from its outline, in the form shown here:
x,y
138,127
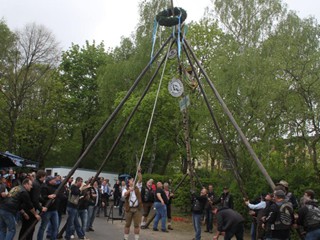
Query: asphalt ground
x,y
106,228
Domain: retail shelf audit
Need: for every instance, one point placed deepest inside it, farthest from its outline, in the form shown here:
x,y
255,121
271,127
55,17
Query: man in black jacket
x,y
47,191
94,204
230,223
226,198
309,216
147,196
28,224
72,210
18,196
198,204
279,218
208,209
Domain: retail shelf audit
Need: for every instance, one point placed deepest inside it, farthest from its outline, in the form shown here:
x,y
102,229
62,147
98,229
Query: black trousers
x,y
105,199
28,226
237,230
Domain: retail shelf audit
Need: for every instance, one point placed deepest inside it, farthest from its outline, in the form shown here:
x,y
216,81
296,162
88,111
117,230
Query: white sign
x,y
175,87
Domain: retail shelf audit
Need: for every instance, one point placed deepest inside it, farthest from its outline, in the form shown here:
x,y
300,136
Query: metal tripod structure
x,y
194,63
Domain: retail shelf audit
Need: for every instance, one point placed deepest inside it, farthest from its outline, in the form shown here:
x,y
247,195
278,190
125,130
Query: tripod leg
x,y
150,219
63,229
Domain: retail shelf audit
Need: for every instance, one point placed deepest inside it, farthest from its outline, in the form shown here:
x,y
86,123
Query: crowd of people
x,y
274,215
139,200
31,197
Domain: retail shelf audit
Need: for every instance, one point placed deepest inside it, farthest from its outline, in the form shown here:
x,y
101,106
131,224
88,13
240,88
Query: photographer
x,y
198,204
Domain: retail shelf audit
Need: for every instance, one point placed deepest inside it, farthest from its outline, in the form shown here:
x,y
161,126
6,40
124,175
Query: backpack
x,y
148,195
74,199
285,217
313,216
15,190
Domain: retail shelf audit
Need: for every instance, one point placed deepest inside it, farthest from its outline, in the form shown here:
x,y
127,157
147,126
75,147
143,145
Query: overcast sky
x,y
103,20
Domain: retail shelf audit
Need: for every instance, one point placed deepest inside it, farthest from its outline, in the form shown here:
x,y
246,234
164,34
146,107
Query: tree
x,y
297,68
249,21
40,127
78,72
7,39
33,55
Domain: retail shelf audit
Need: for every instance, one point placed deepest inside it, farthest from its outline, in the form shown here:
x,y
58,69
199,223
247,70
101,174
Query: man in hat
x,y
280,218
47,191
226,199
283,185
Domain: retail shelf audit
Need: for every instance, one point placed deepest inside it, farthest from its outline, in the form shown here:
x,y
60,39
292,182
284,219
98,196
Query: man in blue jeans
x,y
94,204
51,215
10,205
198,204
72,211
160,203
208,210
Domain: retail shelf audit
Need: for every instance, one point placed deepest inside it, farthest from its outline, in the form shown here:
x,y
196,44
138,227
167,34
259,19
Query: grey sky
x,y
79,20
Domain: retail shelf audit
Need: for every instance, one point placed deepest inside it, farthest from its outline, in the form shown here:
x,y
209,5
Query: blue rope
x,y
179,31
154,36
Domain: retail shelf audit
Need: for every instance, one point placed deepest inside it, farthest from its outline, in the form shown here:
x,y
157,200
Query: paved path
x,y
113,230
106,229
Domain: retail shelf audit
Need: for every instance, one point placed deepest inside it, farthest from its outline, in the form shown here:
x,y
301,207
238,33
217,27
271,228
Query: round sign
x,y
172,53
175,87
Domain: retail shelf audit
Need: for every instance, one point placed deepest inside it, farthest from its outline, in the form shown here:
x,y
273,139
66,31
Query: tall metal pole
x,y
233,121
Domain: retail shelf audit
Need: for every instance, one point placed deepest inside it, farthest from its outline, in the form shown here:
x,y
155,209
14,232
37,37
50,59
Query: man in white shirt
x,y
256,217
133,206
105,194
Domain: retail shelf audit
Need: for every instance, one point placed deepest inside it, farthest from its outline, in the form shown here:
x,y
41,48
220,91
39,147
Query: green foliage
x,y
263,62
249,22
78,73
28,106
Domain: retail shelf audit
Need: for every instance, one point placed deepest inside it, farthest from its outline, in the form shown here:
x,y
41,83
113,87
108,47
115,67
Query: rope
x,y
154,36
184,32
152,114
154,33
179,31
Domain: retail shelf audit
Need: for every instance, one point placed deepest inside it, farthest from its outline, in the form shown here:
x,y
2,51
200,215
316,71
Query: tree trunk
x,y
184,164
153,156
13,115
165,164
314,157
